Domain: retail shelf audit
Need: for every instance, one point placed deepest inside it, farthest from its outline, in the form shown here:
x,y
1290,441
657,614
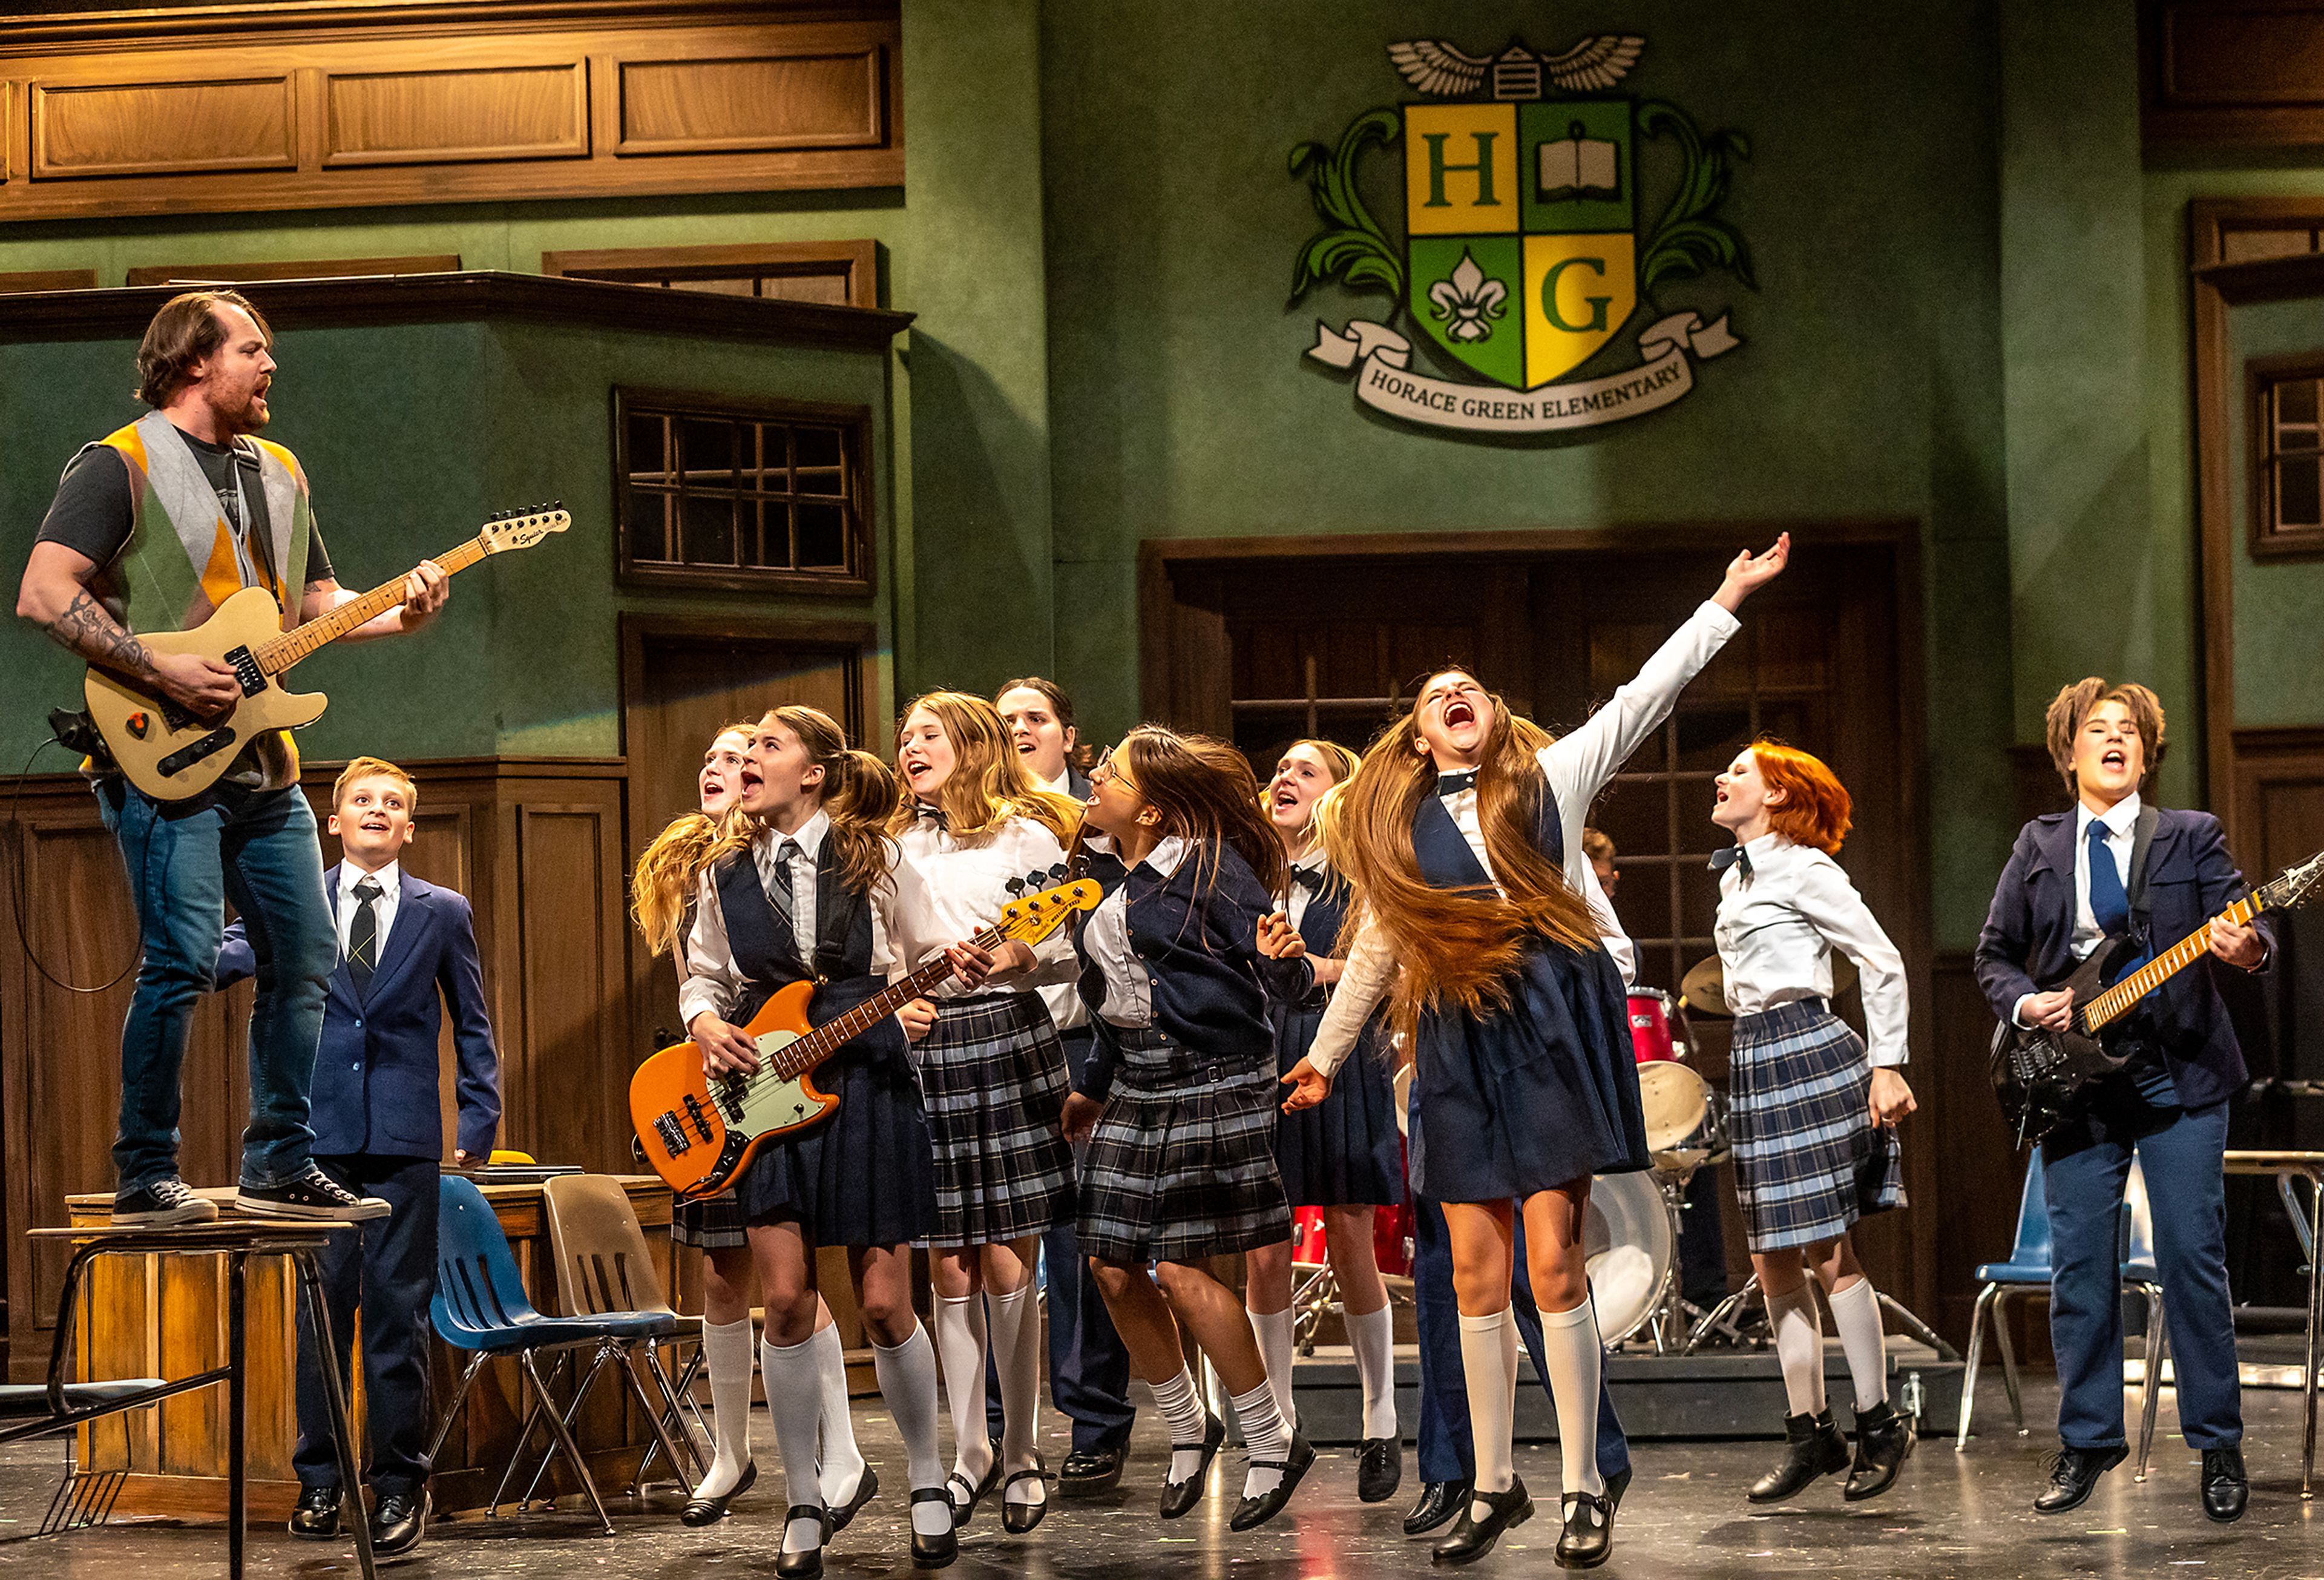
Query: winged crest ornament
x,y
1517,73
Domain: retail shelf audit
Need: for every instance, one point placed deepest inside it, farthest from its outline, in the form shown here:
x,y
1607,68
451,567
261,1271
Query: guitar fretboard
x,y
2118,1000
303,642
803,1055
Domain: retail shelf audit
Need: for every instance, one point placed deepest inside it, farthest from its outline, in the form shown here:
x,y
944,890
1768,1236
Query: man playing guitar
x,y
154,527
2074,882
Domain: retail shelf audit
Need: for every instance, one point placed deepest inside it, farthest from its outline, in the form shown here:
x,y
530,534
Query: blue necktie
x,y
2110,905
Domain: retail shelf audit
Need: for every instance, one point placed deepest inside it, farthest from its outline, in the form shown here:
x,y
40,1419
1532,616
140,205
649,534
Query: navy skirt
x,y
1346,1150
1534,1097
865,1176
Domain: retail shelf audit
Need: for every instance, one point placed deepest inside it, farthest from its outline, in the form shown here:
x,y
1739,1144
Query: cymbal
x,y
1704,989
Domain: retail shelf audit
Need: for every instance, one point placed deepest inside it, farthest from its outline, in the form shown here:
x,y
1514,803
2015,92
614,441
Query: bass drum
x,y
1626,1240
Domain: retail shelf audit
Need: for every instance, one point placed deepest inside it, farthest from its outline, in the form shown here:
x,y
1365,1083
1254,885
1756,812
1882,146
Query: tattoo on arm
x,y
85,628
319,584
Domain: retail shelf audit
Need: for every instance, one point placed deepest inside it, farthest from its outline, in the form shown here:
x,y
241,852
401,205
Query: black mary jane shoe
x,y
1090,1473
1295,1462
1812,1450
807,1564
2074,1475
1439,1501
701,1511
1178,1497
1017,1518
867,1487
1884,1442
1380,1469
1589,1534
939,1551
962,1512
317,1516
2225,1487
1472,1538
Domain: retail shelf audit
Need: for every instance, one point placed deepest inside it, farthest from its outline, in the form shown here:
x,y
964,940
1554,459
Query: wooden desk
x,y
2287,1167
167,1316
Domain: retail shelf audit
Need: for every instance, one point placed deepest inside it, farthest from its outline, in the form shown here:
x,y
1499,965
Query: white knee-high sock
x,y
1372,1336
907,1386
842,1463
1568,1342
960,1343
795,1400
1799,1346
1265,1437
1275,1331
728,1351
1182,1411
1013,1317
1856,1313
1489,1366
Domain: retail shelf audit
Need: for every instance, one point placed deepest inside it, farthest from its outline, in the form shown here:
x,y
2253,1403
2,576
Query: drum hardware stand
x,y
1724,1320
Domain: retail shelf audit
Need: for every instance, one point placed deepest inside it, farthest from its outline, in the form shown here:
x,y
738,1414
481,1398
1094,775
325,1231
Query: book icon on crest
x,y
1577,166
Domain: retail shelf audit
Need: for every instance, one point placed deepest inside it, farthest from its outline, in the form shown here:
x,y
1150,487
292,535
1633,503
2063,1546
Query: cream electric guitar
x,y
170,752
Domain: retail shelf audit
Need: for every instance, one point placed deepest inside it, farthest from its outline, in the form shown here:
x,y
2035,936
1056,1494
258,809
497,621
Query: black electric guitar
x,y
2039,1073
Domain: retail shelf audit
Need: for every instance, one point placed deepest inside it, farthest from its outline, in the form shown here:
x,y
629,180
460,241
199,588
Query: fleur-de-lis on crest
x,y
1469,299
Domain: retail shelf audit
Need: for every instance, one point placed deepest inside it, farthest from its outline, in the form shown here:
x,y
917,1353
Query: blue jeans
x,y
2084,1165
186,859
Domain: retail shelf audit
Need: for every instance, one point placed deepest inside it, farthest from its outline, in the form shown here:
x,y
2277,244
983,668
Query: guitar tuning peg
x,y
1060,873
1015,886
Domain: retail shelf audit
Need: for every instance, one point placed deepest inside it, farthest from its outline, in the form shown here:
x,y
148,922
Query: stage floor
x,y
1951,1515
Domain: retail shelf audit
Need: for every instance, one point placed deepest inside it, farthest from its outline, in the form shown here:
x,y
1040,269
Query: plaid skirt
x,y
1185,1170
1809,1162
993,1074
715,1224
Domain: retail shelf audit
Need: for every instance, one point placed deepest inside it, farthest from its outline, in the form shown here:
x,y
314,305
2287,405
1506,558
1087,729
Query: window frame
x,y
855,423
2268,537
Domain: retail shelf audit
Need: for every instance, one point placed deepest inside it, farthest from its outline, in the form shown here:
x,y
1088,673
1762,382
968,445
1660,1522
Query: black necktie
x,y
1452,784
781,891
1308,878
935,814
1734,855
363,934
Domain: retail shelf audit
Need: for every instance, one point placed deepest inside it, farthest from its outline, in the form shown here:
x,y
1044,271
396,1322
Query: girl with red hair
x,y
1813,1110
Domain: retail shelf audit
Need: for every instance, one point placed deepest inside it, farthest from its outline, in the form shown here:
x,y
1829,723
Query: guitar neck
x,y
2118,1000
305,641
799,1057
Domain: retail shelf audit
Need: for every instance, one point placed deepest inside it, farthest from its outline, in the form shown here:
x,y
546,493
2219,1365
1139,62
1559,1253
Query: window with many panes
x,y
742,494
2287,459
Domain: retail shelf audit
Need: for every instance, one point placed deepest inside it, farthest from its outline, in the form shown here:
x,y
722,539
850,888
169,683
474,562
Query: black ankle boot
x,y
1884,1441
1813,1448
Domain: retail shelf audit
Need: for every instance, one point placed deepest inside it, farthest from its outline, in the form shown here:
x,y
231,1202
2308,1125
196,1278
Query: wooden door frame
x,y
858,640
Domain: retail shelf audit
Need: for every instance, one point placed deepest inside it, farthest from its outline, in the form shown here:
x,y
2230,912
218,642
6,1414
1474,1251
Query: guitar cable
x,y
58,731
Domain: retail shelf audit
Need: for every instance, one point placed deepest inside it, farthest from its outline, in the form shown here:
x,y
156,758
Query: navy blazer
x,y
1198,933
376,1082
2027,943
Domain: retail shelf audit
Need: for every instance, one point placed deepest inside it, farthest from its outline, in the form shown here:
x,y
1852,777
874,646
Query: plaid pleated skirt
x,y
1809,1162
1181,1164
713,1225
992,1074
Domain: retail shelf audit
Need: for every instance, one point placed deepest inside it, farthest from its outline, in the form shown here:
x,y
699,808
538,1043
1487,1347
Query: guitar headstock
x,y
524,529
1036,916
2294,885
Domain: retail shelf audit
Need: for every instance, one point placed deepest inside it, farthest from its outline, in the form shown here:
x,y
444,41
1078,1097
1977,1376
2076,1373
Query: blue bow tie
x,y
1452,784
1734,855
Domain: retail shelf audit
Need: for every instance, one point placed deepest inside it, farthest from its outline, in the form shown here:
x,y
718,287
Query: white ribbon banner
x,y
1381,360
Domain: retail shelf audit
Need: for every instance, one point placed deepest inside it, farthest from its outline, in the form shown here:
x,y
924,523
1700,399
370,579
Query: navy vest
x,y
1444,858
765,950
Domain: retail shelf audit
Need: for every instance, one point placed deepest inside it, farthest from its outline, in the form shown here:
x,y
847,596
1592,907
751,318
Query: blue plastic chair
x,y
481,1307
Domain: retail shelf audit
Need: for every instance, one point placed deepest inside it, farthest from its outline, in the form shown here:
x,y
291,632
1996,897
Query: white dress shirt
x,y
1576,767
1777,928
714,981
1295,903
1129,980
390,878
1063,785
2121,821
946,889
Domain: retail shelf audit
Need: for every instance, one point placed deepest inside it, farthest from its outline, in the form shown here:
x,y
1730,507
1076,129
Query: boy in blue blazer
x,y
407,952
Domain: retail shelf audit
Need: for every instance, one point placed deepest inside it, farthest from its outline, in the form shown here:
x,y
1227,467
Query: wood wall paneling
x,y
162,128
421,117
312,269
753,103
2232,72
842,274
16,281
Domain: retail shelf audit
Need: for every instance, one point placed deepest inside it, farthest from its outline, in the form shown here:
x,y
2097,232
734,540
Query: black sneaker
x,y
313,1195
163,1205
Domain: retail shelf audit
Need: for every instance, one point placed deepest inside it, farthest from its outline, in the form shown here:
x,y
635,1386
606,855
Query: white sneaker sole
x,y
199,1212
259,1208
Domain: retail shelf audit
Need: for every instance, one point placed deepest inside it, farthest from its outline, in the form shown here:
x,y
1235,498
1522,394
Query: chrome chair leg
x,y
565,1441
1979,1315
2008,1348
2158,1348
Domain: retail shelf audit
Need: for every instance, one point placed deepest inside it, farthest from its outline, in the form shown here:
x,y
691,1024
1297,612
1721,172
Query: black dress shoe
x,y
937,1551
1439,1501
2226,1489
867,1487
699,1511
1177,1497
398,1524
1472,1537
807,1564
1812,1448
964,1500
1884,1442
2073,1473
1017,1518
1589,1534
1380,1469
317,1516
1090,1473
1293,1465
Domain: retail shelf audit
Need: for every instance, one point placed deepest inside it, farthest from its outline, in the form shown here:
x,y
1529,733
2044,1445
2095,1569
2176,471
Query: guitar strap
x,y
2142,835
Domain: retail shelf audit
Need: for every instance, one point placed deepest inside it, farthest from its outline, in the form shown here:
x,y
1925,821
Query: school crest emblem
x,y
1524,255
